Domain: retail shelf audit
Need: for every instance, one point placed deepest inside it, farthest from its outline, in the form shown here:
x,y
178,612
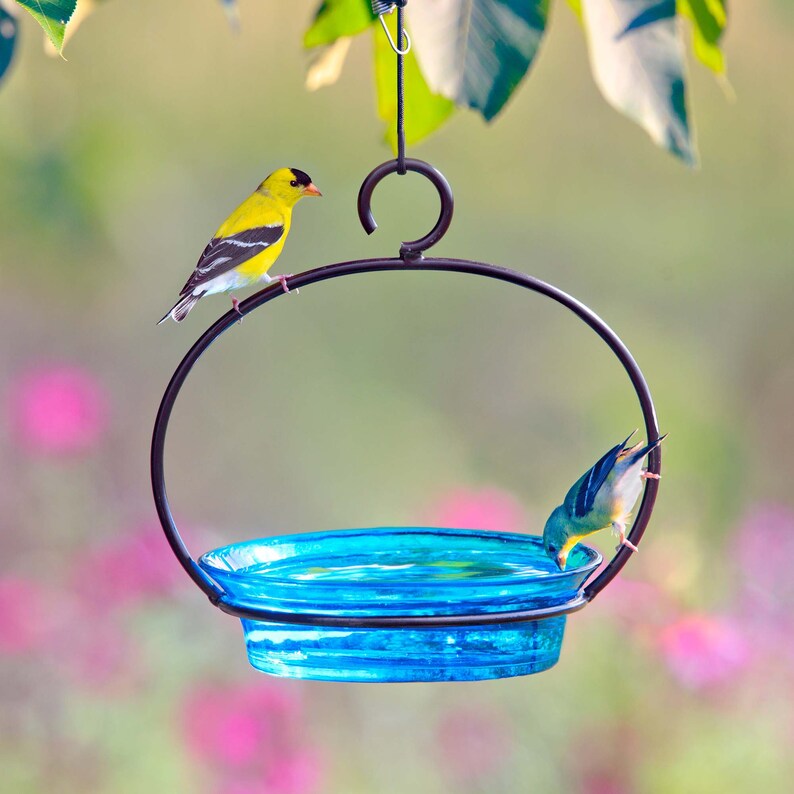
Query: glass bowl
x,y
400,571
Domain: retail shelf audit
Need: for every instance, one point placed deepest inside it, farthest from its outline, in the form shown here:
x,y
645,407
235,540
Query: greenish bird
x,y
602,497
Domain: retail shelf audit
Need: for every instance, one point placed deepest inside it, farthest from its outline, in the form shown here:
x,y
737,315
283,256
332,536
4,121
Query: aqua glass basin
x,y
399,571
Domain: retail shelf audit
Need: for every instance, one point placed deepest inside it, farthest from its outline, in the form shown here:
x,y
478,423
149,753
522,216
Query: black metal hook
x,y
411,249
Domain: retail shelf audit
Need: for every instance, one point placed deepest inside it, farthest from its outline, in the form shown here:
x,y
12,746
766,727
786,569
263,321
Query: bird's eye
x,y
293,183
553,549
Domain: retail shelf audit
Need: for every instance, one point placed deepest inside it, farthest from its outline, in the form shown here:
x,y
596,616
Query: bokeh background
x,y
387,399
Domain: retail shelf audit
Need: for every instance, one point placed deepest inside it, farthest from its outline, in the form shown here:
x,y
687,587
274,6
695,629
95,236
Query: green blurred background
x,y
395,398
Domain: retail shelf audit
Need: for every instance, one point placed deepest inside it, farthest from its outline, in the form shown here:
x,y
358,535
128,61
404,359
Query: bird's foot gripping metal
x,y
282,279
627,543
649,475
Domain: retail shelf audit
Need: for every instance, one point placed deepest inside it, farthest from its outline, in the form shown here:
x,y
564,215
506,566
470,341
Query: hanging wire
x,y
381,8
401,92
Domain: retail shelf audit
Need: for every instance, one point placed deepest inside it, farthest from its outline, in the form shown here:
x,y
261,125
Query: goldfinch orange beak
x,y
561,560
311,190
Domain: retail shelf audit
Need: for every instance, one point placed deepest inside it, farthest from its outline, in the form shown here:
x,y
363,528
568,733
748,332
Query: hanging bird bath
x,y
400,603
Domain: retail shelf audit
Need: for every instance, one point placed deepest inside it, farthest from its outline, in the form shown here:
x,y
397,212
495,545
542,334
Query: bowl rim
x,y
595,558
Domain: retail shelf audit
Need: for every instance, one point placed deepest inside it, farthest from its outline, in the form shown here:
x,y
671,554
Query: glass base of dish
x,y
465,653
399,573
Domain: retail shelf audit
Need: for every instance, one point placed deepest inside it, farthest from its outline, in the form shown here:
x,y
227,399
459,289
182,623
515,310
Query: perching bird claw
x,y
236,307
649,475
282,279
626,542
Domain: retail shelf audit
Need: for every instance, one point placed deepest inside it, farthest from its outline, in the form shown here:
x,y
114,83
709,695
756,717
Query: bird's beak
x,y
561,560
311,190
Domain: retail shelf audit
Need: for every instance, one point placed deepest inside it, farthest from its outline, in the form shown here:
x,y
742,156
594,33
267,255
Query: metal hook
x,y
411,249
388,34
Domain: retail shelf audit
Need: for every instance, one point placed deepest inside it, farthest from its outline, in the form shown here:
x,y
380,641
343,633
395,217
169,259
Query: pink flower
x,y
295,773
127,569
60,410
474,744
29,614
764,549
98,655
251,736
608,752
703,651
603,784
486,508
639,606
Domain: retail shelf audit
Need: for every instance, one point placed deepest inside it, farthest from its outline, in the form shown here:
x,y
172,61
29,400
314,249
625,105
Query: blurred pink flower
x,y
484,508
642,607
608,751
703,651
127,569
603,784
29,614
764,550
97,654
252,736
473,744
58,410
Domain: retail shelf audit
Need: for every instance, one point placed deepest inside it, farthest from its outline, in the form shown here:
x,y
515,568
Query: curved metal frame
x,y
411,255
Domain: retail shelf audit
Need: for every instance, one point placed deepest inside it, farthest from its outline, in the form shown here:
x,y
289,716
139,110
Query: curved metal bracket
x,y
411,249
215,592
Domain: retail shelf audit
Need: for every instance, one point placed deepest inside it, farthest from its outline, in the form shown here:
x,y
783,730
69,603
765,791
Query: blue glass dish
x,y
396,571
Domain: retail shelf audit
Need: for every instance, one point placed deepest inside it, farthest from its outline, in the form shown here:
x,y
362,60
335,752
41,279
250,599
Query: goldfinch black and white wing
x,y
223,254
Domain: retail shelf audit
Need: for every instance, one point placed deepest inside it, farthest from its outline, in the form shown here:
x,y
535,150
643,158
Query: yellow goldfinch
x,y
602,497
248,243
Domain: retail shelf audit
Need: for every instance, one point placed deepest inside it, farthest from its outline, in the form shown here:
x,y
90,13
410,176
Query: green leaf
x,y
709,18
8,37
326,63
52,15
475,52
640,70
650,13
576,7
337,18
425,111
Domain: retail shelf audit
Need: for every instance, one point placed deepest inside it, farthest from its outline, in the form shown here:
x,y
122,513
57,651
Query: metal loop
x,y
411,249
391,40
223,601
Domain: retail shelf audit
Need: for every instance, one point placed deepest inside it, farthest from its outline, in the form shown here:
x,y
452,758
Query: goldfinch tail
x,y
181,308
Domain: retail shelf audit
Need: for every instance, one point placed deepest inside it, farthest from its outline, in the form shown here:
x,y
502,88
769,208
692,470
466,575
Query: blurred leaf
x,y
232,11
576,7
640,70
84,10
52,15
8,38
327,62
653,12
709,18
425,111
337,18
476,52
